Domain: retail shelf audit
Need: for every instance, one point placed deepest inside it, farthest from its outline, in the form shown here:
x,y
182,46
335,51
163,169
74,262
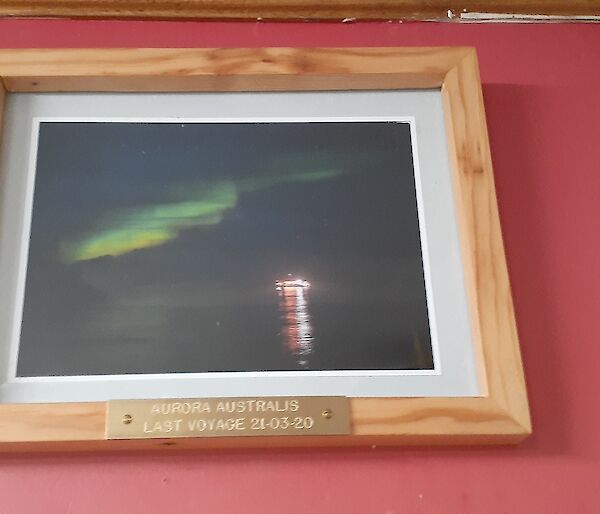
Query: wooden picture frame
x,y
500,415
297,9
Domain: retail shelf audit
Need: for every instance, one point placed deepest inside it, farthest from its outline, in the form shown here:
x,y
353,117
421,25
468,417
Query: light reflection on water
x,y
297,330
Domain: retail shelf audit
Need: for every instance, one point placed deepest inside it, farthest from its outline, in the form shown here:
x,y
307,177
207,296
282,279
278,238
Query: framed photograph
x,y
251,247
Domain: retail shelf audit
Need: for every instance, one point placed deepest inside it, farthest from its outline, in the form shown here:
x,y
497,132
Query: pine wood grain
x,y
486,273
501,414
51,422
252,69
376,421
291,9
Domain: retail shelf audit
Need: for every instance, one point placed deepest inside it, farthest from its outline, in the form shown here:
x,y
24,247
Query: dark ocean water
x,y
270,331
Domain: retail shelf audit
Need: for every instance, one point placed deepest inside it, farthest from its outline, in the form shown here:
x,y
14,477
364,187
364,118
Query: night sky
x,y
156,247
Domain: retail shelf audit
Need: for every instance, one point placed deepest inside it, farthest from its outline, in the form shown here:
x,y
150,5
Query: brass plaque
x,y
227,417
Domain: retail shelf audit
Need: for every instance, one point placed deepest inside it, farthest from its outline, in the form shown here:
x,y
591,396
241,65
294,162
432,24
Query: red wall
x,y
542,94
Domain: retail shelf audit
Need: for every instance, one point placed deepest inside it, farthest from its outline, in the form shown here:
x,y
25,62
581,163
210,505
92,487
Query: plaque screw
x,y
327,414
128,418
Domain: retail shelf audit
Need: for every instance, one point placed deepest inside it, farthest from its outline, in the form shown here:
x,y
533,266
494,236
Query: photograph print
x,y
223,247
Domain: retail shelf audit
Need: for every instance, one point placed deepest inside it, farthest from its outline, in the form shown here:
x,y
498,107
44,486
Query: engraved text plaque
x,y
219,417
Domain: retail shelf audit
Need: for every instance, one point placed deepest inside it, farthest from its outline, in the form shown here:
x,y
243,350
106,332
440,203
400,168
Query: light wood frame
x,y
501,414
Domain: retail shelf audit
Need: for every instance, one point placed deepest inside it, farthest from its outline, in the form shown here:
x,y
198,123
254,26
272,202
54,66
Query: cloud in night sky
x,y
198,204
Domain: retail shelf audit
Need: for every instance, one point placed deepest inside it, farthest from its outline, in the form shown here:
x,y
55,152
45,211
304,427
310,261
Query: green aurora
x,y
199,204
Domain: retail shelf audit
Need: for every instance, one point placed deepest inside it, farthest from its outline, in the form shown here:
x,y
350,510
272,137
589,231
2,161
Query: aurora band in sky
x,y
200,204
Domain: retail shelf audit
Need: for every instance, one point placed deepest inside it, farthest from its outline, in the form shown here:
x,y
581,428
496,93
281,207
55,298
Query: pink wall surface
x,y
542,95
